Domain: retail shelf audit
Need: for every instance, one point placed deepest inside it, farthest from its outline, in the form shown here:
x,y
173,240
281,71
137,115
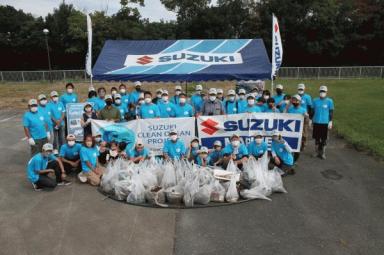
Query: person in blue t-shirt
x,y
258,147
322,115
44,110
176,98
91,171
42,164
261,103
216,155
271,107
242,101
35,127
69,96
57,111
122,107
70,154
306,103
193,149
283,104
281,153
136,94
202,158
92,98
138,153
124,95
174,148
149,110
166,108
279,97
251,105
159,94
236,151
231,106
183,109
197,100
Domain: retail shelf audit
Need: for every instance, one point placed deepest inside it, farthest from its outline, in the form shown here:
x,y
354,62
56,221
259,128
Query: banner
x,y
74,115
88,62
277,46
153,132
222,127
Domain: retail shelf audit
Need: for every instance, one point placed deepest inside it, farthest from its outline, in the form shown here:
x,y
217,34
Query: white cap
x,y
217,143
203,150
258,133
54,93
107,96
242,91
231,92
91,89
199,87
323,88
159,90
212,91
71,136
165,92
82,177
301,86
48,147
41,96
172,132
137,83
220,91
32,102
117,96
275,132
298,97
279,86
178,87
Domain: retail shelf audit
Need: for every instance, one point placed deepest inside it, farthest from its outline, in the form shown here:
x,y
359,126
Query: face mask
x,y
138,89
118,101
122,91
165,99
279,91
46,154
212,98
88,109
182,100
300,91
98,139
195,145
266,97
173,137
33,109
258,140
55,99
88,144
177,92
323,94
71,143
198,92
43,102
69,91
231,98
114,92
251,102
141,102
158,95
235,143
286,101
242,97
148,100
113,153
108,102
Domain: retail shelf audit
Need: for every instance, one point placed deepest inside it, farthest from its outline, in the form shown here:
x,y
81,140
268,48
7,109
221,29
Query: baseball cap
x,y
250,96
231,92
220,91
323,88
195,139
178,87
32,102
212,91
165,92
137,83
275,133
242,91
71,136
234,136
108,96
48,147
41,97
279,86
91,89
116,96
199,87
203,150
159,90
54,94
301,86
217,143
297,97
172,132
258,133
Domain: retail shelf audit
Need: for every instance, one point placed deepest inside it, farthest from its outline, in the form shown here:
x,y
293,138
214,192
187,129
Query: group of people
x,y
45,122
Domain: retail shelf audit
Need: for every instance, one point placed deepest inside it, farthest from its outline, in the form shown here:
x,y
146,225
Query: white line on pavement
x,y
6,119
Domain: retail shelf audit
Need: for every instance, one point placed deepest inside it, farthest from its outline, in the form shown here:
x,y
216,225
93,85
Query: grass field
x,y
359,104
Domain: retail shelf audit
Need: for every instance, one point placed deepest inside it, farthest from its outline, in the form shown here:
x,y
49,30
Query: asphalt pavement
x,y
333,206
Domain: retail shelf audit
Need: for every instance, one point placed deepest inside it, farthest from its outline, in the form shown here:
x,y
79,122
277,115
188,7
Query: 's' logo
x,y
209,126
144,60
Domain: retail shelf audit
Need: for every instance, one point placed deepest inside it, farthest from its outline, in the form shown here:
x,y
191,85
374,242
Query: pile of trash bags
x,y
166,183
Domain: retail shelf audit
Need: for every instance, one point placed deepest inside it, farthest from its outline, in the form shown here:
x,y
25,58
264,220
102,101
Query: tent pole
x,y
186,88
271,86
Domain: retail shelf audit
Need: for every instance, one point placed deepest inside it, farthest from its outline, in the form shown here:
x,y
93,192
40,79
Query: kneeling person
x,y
174,148
91,171
70,154
203,159
281,153
236,151
257,148
138,153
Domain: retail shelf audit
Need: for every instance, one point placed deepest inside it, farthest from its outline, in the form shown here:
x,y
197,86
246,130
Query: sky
x,y
153,9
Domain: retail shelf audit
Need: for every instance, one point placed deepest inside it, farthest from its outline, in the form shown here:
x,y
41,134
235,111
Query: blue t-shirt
x,y
134,97
98,103
242,105
56,109
70,152
149,111
267,109
197,102
253,108
185,110
199,161
123,110
322,108
257,150
166,109
231,107
43,110
35,122
280,150
240,152
297,110
125,99
134,153
175,100
306,101
215,156
174,150
88,154
68,98
278,98
37,163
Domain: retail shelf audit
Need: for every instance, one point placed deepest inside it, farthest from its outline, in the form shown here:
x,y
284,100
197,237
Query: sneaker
x,y
64,183
36,188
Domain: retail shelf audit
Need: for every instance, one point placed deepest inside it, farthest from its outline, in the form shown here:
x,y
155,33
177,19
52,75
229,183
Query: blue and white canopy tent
x,y
183,60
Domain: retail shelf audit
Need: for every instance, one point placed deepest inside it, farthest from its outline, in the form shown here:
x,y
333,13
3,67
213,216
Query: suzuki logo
x,y
209,126
144,60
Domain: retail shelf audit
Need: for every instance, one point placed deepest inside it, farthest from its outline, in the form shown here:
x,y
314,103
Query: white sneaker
x,y
36,188
64,183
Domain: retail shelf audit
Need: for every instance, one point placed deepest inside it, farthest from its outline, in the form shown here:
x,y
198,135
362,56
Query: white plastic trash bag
x,y
232,195
275,181
254,193
137,195
169,177
218,192
122,189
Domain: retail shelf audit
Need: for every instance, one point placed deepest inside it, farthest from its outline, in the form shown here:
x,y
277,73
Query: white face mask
x,y
118,101
231,98
251,101
113,153
323,94
71,143
195,145
141,102
235,143
158,95
212,98
98,139
300,91
43,102
55,99
114,92
122,91
88,109
165,99
173,137
198,92
286,101
242,97
147,100
33,109
266,97
177,92
258,140
182,100
69,91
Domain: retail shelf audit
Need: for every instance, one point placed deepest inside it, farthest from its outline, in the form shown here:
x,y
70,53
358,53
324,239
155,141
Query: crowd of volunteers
x,y
52,151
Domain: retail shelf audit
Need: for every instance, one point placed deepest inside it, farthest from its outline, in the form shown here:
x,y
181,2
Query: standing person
x,y
176,98
216,155
231,106
109,112
236,151
257,148
174,148
44,110
220,94
242,101
212,106
42,164
101,99
286,101
85,122
251,107
183,109
202,158
124,95
166,108
306,103
197,99
138,153
135,95
35,127
281,153
92,98
91,172
149,110
322,115
70,154
122,107
279,97
57,111
69,96
261,103
159,94
113,91
271,107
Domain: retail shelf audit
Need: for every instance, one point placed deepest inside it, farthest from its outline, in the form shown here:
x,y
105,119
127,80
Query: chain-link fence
x,y
345,72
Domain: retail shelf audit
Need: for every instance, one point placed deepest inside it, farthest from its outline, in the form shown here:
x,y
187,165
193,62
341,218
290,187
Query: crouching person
x,y
45,163
257,148
174,148
139,153
281,154
70,154
91,171
202,158
216,155
236,151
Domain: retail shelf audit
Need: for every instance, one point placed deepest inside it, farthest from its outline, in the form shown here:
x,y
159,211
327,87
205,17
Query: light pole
x,y
46,32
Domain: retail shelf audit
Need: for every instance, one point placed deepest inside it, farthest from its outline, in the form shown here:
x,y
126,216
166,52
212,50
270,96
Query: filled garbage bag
x,y
174,195
275,181
254,193
190,189
249,169
155,196
232,195
203,195
110,177
218,192
148,178
122,189
169,177
137,194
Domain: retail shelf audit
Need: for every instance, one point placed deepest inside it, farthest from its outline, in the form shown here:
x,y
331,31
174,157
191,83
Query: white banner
x,y
153,132
277,46
222,127
88,62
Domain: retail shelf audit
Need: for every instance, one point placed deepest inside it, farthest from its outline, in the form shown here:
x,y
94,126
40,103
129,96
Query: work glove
x,y
31,141
330,125
49,136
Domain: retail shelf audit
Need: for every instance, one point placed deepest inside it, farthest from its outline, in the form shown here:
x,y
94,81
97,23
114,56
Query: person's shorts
x,y
320,131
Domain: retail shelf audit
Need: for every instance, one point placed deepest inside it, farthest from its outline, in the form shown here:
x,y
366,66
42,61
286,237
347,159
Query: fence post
x,y
22,75
85,75
339,72
318,73
64,74
2,77
43,76
381,73
360,71
298,70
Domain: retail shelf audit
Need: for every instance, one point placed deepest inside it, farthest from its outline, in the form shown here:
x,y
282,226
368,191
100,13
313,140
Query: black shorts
x,y
320,131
